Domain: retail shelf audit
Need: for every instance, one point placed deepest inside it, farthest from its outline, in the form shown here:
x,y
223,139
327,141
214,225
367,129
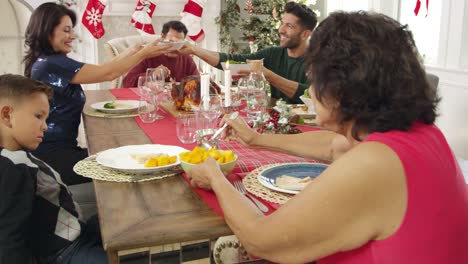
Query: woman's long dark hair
x,y
368,64
41,25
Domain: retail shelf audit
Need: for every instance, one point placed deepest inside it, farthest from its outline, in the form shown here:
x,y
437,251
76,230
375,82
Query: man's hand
x,y
164,69
187,49
153,49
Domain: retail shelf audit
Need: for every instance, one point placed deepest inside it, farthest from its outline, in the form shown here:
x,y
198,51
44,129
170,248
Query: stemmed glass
x,y
156,79
155,84
142,88
242,89
211,107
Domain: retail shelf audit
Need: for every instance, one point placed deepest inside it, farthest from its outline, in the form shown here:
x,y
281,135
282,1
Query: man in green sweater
x,y
283,65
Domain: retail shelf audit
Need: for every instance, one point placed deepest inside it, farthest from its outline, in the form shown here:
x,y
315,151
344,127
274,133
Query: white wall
x,y
13,19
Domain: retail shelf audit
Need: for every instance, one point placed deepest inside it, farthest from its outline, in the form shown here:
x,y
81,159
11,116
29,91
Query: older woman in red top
x,y
393,192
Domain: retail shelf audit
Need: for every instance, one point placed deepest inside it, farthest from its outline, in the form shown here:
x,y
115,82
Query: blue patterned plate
x,y
301,170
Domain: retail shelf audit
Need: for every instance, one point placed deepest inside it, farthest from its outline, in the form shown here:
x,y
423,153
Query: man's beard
x,y
291,43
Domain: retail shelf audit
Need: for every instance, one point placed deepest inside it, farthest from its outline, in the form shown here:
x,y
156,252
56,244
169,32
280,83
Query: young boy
x,y
38,216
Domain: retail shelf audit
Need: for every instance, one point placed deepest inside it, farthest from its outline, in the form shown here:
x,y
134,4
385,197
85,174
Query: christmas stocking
x,y
191,17
142,17
92,18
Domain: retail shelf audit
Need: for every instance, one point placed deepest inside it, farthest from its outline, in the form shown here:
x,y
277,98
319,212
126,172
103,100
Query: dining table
x,y
153,213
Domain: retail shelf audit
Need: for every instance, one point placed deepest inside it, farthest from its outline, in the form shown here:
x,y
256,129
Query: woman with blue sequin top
x,y
49,37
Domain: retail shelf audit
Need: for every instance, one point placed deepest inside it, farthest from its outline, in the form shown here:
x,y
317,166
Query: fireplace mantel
x,y
163,7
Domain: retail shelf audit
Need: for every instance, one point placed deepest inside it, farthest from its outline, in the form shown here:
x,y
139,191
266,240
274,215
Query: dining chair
x,y
228,249
116,46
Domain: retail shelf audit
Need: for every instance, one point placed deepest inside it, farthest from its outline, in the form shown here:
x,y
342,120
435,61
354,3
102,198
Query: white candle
x,y
227,87
205,90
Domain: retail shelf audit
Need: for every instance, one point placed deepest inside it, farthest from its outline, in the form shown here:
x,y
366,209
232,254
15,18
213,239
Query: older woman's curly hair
x,y
369,65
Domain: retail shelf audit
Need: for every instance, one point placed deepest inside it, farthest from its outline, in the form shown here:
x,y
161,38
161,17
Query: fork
x,y
240,187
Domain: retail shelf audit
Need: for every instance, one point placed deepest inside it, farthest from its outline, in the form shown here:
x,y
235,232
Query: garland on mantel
x,y
228,19
67,3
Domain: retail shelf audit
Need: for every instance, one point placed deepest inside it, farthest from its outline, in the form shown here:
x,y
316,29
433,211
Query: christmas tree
x,y
261,25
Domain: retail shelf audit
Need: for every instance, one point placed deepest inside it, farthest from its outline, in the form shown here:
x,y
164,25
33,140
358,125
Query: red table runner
x,y
162,131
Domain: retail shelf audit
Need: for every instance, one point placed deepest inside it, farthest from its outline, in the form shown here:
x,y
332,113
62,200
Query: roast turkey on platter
x,y
188,92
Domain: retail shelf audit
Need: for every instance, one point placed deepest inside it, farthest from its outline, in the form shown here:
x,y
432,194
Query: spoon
x,y
207,144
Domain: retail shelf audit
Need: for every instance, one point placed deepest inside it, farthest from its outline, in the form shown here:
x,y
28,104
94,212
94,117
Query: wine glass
x,y
155,84
242,89
142,86
156,79
211,107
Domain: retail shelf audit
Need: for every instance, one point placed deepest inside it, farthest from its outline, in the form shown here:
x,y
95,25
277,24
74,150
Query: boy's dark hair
x,y
175,25
369,65
42,23
15,87
307,17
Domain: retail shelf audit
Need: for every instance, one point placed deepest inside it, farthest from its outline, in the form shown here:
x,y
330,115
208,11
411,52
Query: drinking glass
x,y
155,78
211,106
186,127
236,99
155,85
147,108
256,102
242,89
142,86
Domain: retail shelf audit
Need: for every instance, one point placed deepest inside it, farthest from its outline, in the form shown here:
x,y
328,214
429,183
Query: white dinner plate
x,y
298,109
120,158
121,106
268,176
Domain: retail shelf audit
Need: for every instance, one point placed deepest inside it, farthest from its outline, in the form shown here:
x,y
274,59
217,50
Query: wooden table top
x,y
135,215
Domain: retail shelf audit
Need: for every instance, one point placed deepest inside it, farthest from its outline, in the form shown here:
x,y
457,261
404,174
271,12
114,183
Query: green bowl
x,y
226,168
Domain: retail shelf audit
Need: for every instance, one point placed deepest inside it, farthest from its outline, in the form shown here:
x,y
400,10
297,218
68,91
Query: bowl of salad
x,y
235,67
308,102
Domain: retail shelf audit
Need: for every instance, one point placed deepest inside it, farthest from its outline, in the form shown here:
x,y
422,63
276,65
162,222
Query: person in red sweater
x,y
393,192
174,66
